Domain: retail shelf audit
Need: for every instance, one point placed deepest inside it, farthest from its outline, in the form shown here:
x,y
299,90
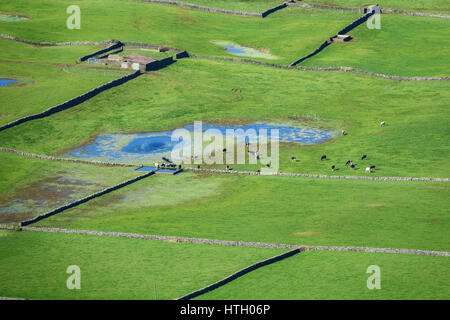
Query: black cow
x,y
294,159
364,157
324,157
333,167
372,167
348,162
352,166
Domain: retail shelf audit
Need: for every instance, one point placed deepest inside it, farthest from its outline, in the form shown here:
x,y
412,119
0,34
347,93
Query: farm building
x,y
130,61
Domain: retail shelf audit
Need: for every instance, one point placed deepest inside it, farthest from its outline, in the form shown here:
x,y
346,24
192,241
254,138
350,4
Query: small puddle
x,y
239,50
5,82
8,18
152,146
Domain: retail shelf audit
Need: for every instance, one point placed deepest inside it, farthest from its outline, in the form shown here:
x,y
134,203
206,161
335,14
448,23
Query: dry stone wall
x,y
320,176
326,43
194,6
102,51
234,243
344,69
42,157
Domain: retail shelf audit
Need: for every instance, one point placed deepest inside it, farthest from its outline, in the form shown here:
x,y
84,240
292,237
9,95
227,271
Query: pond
x,y
5,82
152,146
239,50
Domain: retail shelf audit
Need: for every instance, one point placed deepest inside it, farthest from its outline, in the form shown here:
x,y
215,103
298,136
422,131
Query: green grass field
x,y
412,144
26,98
344,276
427,6
113,268
272,209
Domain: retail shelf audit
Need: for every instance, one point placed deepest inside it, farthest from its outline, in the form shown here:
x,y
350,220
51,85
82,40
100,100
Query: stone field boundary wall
x,y
239,274
319,176
85,199
315,6
230,242
159,64
194,6
272,10
42,157
344,69
74,101
327,42
117,45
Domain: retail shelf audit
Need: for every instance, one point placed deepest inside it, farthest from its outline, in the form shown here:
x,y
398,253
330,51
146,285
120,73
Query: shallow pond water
x,y
5,82
7,18
152,146
243,51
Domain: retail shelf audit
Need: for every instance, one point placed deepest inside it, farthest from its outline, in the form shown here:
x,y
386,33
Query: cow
x,y
382,124
343,132
352,166
294,159
364,157
368,169
324,157
333,168
372,167
348,162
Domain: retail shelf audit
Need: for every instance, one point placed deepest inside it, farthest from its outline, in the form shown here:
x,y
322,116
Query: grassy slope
x,y
113,268
17,101
274,209
393,49
342,275
190,90
286,35
25,178
440,6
